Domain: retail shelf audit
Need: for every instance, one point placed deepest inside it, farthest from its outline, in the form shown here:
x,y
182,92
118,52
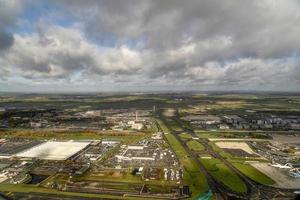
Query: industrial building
x,y
53,150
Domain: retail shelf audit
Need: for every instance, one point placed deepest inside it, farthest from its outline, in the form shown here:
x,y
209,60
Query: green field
x,y
174,126
34,189
125,137
195,146
224,175
124,181
185,136
254,174
215,147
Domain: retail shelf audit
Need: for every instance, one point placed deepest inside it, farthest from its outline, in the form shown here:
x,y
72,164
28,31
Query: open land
x,y
149,146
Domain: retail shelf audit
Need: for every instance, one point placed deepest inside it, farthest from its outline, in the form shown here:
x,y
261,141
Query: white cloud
x,y
57,52
200,44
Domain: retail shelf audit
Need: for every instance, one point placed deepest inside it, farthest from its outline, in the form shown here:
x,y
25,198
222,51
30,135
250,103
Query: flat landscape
x,y
150,147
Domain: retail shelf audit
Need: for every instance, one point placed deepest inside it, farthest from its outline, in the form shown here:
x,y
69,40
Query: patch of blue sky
x,y
43,10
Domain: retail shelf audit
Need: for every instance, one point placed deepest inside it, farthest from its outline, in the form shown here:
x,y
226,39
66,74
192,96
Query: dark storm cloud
x,y
251,26
9,11
217,31
6,40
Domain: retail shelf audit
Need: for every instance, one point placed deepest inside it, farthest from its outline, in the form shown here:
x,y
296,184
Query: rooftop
x,y
54,150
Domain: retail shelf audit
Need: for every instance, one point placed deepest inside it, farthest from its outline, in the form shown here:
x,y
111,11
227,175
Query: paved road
x,y
254,190
218,189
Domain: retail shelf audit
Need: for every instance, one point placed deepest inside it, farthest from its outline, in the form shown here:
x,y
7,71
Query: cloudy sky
x,y
144,45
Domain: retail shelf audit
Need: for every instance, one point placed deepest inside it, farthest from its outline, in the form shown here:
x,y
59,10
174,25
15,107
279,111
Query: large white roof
x,y
54,150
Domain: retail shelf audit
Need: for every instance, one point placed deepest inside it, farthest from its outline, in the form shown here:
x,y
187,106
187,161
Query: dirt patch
x,y
235,145
280,176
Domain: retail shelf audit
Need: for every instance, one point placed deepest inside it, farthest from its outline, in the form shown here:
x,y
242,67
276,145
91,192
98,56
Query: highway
x,y
254,189
218,189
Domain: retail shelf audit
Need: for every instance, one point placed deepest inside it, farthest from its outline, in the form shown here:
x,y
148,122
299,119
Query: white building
x,y
157,136
223,126
35,124
131,123
135,147
137,126
110,142
53,150
126,158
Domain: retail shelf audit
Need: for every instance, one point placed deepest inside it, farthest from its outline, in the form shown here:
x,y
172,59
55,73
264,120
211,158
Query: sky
x,y
149,45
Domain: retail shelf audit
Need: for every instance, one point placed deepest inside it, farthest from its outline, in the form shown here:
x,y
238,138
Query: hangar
x,y
54,150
